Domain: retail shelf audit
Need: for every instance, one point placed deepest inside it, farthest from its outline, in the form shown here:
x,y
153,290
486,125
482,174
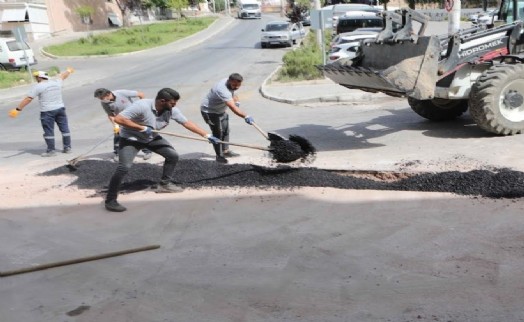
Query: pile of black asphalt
x,y
197,174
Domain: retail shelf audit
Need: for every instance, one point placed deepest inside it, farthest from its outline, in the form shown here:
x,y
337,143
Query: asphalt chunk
x,y
196,174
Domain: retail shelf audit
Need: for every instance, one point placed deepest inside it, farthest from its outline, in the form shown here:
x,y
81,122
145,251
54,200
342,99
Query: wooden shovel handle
x,y
264,133
263,148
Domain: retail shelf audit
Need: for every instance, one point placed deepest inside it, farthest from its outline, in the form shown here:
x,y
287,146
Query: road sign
x,y
321,19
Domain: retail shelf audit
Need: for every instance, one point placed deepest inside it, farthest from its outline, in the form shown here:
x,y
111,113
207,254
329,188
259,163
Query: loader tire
x,y
497,100
438,109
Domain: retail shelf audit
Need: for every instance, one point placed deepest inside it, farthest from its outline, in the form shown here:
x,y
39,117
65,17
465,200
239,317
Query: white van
x,y
12,54
249,9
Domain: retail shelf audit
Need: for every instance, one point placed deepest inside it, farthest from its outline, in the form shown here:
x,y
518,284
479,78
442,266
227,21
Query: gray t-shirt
x,y
123,99
49,93
215,100
144,112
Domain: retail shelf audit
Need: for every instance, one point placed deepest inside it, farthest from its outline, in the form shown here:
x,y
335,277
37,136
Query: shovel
x,y
281,150
268,135
263,148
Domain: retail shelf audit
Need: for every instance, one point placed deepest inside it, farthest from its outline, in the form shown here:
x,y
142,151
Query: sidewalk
x,y
314,91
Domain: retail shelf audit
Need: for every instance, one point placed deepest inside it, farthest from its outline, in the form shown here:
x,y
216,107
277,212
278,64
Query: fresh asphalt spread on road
x,y
196,174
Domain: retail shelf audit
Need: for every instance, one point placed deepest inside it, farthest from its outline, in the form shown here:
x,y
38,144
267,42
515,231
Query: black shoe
x,y
231,154
113,205
221,159
168,188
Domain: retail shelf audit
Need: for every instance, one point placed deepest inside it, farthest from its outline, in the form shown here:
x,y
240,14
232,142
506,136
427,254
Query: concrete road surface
x,y
232,254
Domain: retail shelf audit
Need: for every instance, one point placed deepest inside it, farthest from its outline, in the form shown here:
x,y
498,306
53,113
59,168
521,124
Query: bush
x,y
300,64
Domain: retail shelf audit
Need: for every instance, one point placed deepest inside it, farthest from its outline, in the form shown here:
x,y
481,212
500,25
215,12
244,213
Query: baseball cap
x,y
40,74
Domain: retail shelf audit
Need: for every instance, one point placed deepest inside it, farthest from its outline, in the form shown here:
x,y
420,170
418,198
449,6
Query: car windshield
x,y
250,6
14,45
277,27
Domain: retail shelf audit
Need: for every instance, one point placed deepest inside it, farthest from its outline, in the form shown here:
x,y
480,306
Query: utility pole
x,y
319,31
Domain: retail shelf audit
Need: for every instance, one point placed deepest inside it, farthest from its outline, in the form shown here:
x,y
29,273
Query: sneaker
x,y
115,157
168,188
48,154
67,150
221,159
147,156
113,205
230,154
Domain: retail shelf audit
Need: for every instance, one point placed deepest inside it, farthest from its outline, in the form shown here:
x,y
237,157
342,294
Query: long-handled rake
x,y
71,164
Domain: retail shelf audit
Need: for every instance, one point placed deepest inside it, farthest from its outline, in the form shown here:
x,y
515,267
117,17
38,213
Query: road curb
x,y
359,97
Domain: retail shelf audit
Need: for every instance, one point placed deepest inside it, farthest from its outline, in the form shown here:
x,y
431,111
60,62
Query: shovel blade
x,y
275,137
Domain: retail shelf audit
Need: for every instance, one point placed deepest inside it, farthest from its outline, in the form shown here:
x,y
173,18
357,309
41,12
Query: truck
x,y
249,9
442,76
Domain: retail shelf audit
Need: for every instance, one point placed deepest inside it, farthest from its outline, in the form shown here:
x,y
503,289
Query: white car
x,y
347,50
282,33
352,36
488,18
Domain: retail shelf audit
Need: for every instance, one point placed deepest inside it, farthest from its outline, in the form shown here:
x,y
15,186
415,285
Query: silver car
x,y
282,33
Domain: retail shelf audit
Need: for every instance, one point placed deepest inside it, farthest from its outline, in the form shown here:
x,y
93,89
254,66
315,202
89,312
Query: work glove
x,y
70,70
249,120
147,130
212,139
116,128
13,113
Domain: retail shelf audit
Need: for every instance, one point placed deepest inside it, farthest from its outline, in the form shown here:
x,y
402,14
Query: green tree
x,y
298,9
178,5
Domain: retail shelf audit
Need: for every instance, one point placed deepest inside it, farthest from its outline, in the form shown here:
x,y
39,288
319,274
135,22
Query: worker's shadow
x,y
359,135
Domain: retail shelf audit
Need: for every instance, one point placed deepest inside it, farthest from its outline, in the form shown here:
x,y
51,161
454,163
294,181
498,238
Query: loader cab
x,y
510,11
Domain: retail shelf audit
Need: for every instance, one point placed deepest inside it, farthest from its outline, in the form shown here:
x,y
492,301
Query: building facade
x,y
45,18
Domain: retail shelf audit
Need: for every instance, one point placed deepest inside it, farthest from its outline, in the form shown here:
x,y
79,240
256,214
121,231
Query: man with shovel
x,y
114,102
214,111
139,123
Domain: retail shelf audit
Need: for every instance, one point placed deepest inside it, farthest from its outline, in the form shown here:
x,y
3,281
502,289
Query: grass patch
x,y
14,78
132,39
300,64
21,77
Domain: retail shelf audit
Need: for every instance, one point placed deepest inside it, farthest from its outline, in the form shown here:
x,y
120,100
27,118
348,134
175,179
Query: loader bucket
x,y
397,69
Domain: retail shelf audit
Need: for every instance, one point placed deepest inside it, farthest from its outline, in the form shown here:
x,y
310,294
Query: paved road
x,y
254,254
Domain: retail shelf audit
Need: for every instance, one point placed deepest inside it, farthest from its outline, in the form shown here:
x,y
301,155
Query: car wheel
x,y
263,45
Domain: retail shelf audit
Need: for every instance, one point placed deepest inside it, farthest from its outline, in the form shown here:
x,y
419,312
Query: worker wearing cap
x,y
52,109
214,108
138,125
114,102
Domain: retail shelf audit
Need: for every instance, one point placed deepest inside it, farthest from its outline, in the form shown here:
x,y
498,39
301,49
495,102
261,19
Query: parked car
x,y
353,36
341,9
347,50
12,54
306,19
488,18
474,17
358,19
282,33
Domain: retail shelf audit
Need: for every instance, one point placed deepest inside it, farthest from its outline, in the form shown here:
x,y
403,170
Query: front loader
x,y
479,68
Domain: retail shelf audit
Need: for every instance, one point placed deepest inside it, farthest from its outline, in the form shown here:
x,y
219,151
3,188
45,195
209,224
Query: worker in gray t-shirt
x,y
137,124
214,108
52,109
114,102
